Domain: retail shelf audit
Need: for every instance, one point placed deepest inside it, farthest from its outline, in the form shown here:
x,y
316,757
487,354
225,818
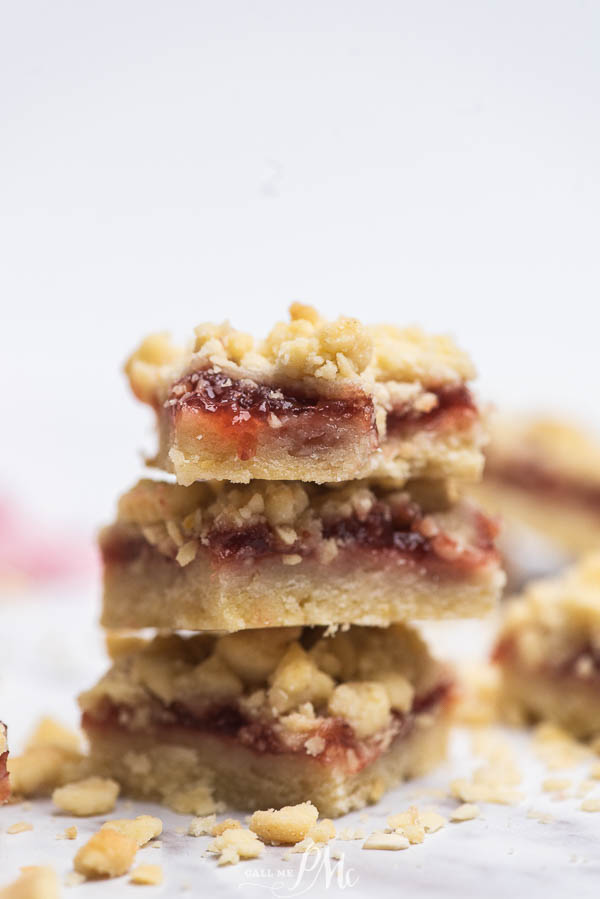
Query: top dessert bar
x,y
315,400
545,473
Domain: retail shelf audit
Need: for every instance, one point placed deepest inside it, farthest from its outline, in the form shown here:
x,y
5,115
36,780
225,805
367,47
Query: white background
x,y
164,163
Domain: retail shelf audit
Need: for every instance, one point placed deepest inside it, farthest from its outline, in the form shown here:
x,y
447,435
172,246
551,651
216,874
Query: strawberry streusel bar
x,y
225,557
269,718
549,649
315,400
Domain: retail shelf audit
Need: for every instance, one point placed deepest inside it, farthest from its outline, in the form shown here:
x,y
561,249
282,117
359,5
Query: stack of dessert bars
x,y
314,510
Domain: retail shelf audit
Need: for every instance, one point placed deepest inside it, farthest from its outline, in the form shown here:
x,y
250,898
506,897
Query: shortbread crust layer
x,y
549,649
270,718
227,558
315,401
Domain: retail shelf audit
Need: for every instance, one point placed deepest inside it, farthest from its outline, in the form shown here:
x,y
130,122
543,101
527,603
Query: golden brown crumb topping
x,y
293,518
307,346
292,679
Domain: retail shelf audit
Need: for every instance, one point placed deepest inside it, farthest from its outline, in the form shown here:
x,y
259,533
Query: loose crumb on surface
x,y
380,840
107,853
148,875
70,833
236,842
556,784
289,824
92,796
590,805
19,827
34,882
141,829
465,812
222,826
200,827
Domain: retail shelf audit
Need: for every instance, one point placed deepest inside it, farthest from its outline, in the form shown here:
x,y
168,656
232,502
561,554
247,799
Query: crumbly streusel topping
x,y
178,520
289,677
553,445
556,617
307,346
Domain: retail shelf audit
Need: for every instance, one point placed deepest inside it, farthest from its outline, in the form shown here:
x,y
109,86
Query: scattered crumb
x,y
590,805
149,875
322,831
92,796
141,829
155,844
19,827
555,784
350,833
239,840
34,882
199,827
69,834
107,853
74,879
543,817
42,768
414,824
222,826
380,840
289,824
228,856
465,812
470,792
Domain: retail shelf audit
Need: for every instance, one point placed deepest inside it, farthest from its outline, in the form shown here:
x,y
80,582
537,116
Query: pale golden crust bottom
x,y
428,453
172,772
569,526
567,701
152,591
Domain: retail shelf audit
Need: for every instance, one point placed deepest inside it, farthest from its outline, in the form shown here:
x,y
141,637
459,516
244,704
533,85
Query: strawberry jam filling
x,y
582,664
239,411
403,532
340,745
527,474
455,409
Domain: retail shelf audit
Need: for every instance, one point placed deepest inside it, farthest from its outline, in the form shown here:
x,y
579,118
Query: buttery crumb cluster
x,y
307,346
280,675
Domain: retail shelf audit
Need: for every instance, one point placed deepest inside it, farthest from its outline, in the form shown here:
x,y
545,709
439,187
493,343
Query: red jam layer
x,y
340,744
397,532
527,474
505,652
455,410
239,411
4,779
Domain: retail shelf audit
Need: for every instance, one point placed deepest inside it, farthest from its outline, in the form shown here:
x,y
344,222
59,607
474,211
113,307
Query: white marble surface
x,y
52,649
